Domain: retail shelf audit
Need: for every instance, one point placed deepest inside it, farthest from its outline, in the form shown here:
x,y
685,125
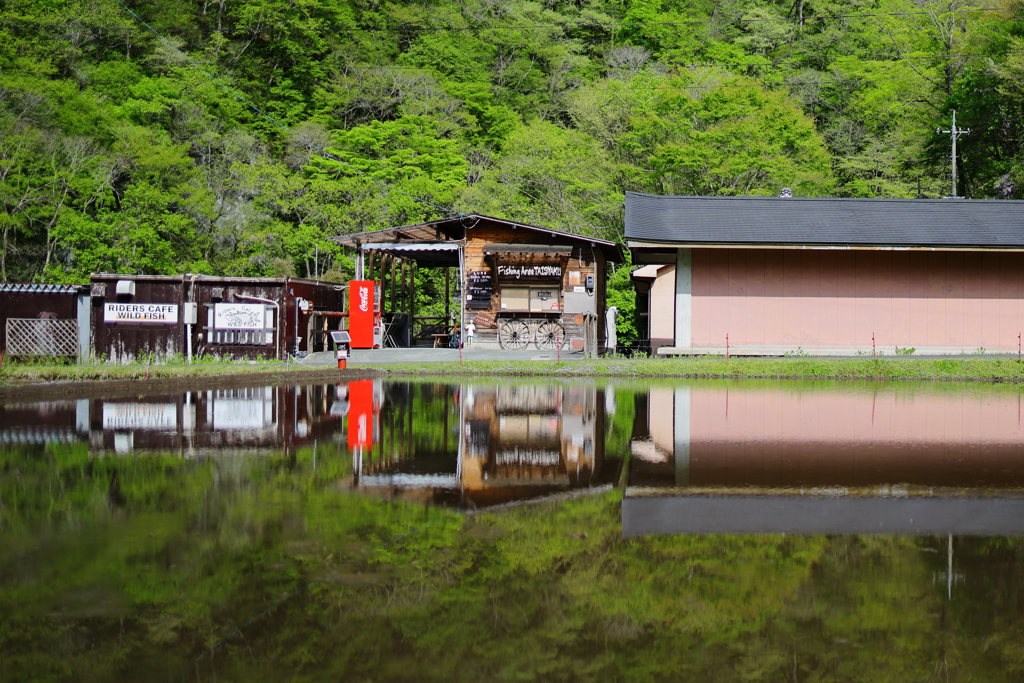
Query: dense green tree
x,y
212,130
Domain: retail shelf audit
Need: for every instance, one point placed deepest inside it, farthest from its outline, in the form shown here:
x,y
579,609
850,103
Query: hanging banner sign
x,y
140,313
516,272
239,316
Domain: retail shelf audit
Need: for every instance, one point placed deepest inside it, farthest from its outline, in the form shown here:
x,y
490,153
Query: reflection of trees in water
x,y
194,549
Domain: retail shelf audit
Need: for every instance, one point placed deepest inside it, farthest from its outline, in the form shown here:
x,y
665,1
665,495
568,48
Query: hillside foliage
x,y
237,138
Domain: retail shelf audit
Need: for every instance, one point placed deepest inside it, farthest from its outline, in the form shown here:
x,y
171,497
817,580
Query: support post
x,y
684,299
681,434
447,294
393,269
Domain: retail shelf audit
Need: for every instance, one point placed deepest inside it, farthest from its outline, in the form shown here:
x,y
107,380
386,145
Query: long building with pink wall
x,y
775,275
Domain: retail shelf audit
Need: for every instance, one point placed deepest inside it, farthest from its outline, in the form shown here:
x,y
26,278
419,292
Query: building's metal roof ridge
x,y
841,223
45,288
908,200
477,217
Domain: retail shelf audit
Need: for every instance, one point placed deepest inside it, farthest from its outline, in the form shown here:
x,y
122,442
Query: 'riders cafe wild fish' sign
x,y
140,313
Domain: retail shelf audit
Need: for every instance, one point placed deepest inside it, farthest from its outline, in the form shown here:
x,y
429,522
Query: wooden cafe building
x,y
520,286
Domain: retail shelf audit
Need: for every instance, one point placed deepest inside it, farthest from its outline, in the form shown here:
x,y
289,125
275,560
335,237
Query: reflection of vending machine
x,y
363,409
364,323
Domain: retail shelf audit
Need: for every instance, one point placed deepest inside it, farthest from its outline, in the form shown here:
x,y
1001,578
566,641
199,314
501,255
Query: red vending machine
x,y
364,324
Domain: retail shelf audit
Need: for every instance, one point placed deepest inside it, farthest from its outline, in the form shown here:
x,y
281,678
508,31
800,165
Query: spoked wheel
x,y
550,335
514,334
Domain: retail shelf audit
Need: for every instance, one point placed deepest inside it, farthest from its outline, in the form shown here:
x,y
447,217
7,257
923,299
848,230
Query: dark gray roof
x,y
454,228
941,223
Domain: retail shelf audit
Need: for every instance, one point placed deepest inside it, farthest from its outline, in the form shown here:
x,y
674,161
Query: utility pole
x,y
954,133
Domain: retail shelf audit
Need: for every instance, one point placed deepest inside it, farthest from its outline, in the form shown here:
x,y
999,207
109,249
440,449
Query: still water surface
x,y
516,530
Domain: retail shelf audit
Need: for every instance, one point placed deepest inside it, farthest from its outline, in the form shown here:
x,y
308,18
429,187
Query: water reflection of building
x,y
715,435
481,445
241,420
753,450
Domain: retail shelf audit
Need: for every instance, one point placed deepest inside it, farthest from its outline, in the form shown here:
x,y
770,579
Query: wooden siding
x,y
583,260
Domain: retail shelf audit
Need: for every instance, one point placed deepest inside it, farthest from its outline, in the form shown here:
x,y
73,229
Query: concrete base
x,y
855,351
367,357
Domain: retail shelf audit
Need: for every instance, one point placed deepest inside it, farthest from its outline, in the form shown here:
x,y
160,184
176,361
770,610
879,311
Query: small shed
x,y
187,315
44,320
519,285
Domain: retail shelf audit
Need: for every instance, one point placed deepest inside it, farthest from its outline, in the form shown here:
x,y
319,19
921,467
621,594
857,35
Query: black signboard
x,y
479,289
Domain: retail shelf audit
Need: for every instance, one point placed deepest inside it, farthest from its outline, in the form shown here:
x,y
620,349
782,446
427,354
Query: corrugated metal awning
x,y
11,287
411,246
502,248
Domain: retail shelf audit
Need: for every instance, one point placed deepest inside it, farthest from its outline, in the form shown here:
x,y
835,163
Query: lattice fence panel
x,y
35,337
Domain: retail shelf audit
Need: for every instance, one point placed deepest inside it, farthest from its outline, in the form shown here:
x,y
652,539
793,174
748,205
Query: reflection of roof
x,y
808,221
773,514
40,434
453,230
646,449
410,481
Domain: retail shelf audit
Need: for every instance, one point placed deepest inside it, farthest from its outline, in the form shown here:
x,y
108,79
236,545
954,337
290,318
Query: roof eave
x,y
643,244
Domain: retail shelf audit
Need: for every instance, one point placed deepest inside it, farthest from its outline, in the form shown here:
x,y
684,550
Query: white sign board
x,y
140,313
233,413
239,316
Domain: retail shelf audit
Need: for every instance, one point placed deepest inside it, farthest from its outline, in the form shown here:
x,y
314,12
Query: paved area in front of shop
x,y
427,355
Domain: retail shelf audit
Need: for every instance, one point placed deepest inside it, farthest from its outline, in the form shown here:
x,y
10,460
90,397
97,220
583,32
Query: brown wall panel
x,y
814,298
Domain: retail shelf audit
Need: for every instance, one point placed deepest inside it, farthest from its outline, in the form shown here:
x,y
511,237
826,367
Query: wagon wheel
x,y
550,335
514,334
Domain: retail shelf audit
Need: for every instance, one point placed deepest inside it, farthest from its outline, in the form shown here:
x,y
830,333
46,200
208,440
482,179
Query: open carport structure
x,y
518,285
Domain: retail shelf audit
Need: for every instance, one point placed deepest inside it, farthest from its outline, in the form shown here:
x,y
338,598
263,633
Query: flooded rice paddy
x,y
516,530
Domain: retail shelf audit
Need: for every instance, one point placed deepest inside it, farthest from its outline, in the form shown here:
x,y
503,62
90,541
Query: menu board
x,y
479,289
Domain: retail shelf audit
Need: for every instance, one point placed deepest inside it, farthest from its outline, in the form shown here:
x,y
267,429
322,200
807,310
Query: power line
x,y
278,123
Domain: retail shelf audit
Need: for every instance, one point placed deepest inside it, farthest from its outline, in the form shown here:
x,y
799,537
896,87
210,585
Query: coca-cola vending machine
x,y
363,411
364,324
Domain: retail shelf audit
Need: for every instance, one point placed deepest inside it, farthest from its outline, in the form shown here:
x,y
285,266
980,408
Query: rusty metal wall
x,y
30,304
128,342
293,332
207,291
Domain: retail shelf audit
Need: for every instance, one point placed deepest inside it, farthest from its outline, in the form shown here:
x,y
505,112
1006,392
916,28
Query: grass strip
x,y
19,374
941,369
886,368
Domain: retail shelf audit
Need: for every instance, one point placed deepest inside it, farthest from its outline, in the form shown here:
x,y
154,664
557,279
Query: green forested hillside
x,y
236,137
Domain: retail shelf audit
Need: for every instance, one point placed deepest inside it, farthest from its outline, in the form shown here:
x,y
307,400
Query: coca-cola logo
x,y
364,299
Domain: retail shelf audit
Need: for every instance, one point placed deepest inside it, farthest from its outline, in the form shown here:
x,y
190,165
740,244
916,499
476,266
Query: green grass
x,y
48,370
803,367
978,368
